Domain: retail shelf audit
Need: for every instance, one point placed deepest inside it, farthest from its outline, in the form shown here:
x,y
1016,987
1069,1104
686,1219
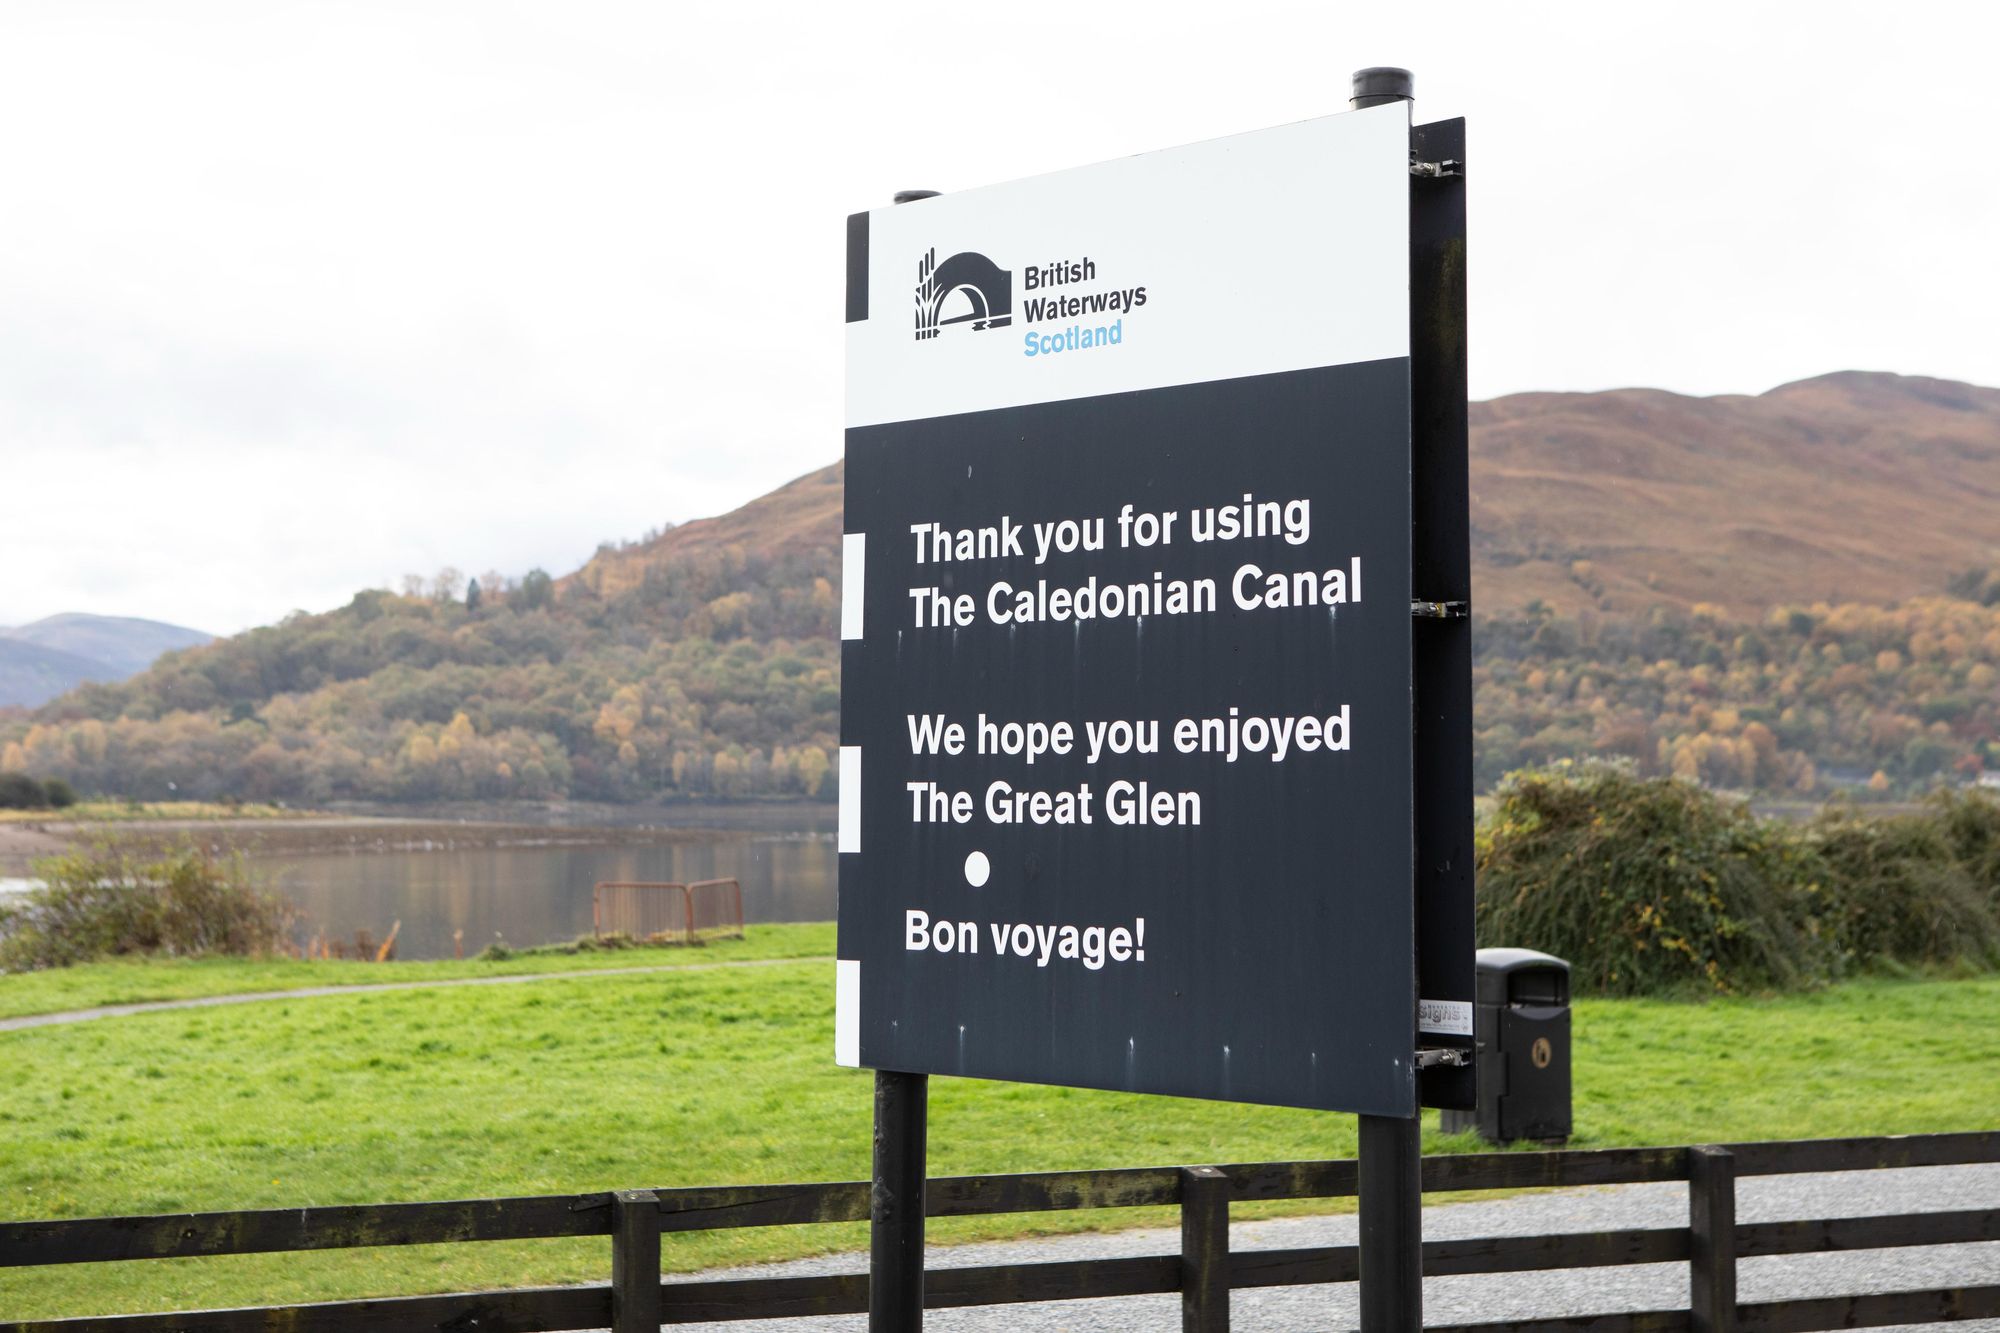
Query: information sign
x,y
1126,732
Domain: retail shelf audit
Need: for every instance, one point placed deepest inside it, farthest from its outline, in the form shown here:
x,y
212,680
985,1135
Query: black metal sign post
x,y
1391,1230
1149,780
1392,1284
896,1204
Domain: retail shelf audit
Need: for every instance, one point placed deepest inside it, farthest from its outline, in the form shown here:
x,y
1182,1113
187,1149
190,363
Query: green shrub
x,y
1971,824
101,903
1650,886
18,791
1899,894
1644,885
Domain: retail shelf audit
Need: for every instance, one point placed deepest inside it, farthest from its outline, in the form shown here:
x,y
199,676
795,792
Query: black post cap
x,y
1382,83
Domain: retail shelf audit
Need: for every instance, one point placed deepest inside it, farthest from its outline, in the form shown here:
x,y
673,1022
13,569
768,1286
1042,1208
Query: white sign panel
x,y
1279,250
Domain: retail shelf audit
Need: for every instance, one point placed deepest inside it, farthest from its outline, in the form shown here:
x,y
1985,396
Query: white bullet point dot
x,y
977,869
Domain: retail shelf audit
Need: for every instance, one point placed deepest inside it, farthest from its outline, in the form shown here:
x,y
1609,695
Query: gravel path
x,y
1498,1296
372,988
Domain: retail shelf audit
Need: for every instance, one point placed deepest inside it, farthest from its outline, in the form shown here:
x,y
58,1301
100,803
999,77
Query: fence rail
x,y
1204,1271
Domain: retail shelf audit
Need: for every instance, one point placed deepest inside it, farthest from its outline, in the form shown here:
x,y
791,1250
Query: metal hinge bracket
x,y
1436,170
1440,610
1436,1057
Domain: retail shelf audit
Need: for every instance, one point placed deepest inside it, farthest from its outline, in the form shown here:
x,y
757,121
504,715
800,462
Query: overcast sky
x,y
298,298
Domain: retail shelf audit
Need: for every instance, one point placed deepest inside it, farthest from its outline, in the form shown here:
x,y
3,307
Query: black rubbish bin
x,y
1520,1031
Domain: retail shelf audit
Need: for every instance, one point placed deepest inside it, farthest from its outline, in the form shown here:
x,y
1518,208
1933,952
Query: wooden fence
x,y
1204,1271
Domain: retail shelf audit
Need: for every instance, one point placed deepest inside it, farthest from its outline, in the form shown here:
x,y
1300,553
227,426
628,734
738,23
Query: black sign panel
x,y
1133,720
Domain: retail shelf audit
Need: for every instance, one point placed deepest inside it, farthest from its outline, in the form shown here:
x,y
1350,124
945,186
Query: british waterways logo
x,y
967,288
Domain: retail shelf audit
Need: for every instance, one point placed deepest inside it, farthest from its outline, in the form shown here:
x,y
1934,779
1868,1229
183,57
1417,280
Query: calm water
x,y
538,895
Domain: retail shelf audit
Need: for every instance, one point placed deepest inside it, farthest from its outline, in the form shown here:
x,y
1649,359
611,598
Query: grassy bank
x,y
726,1076
138,980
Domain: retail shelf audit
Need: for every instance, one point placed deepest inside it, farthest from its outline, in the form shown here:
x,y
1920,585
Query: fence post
x,y
1712,1247
1204,1250
896,1204
635,1262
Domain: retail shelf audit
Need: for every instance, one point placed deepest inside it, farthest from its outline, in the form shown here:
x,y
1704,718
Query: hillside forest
x,y
704,662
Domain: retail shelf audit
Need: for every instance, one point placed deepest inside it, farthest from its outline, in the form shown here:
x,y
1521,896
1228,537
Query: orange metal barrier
x,y
715,909
668,913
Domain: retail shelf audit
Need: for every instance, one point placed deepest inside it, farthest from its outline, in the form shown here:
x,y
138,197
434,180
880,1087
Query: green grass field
x,y
138,980
726,1076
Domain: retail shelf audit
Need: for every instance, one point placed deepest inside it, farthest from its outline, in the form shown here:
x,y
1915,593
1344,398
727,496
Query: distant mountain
x,y
52,656
1856,486
31,674
1749,589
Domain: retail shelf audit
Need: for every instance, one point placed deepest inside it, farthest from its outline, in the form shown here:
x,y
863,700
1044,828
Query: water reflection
x,y
538,895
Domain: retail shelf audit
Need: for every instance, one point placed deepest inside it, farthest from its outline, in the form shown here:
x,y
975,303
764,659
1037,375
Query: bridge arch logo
x,y
967,288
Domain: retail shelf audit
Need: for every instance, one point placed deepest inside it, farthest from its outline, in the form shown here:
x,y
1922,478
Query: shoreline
x,y
356,832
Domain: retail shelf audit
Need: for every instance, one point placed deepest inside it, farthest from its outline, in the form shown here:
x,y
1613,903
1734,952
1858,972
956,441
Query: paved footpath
x,y
1496,1296
375,988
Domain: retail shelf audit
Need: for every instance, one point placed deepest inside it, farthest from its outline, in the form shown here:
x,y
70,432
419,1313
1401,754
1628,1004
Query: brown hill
x,y
705,661
800,518
1849,487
